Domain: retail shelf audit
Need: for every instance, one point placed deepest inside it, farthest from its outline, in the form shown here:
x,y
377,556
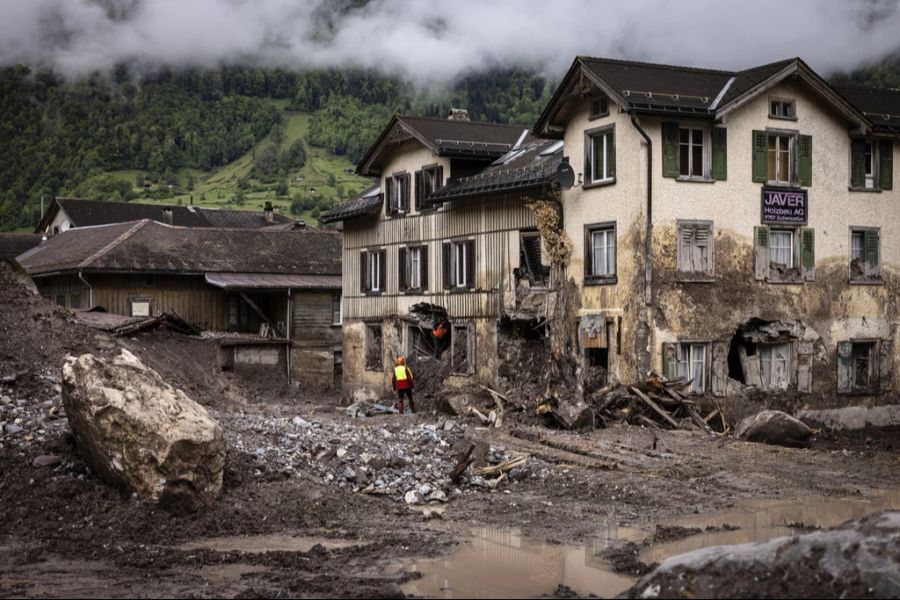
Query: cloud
x,y
436,41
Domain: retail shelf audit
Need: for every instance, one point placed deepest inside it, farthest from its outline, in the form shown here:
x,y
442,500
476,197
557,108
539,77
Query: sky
x,y
433,42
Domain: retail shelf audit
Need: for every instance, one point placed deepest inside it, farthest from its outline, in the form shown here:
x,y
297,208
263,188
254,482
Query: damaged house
x,y
446,239
735,228
272,297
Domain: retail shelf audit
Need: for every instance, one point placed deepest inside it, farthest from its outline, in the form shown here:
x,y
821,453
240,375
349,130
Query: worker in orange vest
x,y
403,383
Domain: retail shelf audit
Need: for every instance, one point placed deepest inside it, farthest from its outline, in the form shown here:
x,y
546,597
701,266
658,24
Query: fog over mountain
x,y
431,42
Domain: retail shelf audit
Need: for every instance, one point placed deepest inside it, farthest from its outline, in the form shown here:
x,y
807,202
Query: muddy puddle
x,y
761,520
258,544
500,563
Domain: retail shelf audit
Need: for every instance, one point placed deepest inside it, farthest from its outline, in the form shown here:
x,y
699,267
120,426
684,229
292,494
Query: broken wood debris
x,y
503,467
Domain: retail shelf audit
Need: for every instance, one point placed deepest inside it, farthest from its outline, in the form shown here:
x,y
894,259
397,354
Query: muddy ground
x,y
63,533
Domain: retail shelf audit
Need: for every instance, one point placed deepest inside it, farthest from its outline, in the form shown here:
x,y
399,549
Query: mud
x,y
63,533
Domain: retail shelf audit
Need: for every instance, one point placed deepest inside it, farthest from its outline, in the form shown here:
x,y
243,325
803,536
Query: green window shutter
x,y
761,251
611,154
670,149
886,165
805,160
871,247
808,252
844,366
760,156
857,163
719,153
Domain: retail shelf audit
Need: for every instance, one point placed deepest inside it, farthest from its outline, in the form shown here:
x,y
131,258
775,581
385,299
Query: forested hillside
x,y
219,136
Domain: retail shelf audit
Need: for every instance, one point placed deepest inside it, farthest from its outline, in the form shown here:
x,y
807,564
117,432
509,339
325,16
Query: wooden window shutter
x,y
406,196
670,149
420,190
885,365
423,267
446,265
719,153
470,264
438,177
382,272
805,160
761,251
610,153
857,163
363,271
588,166
808,253
844,366
670,360
685,247
703,239
401,253
588,253
871,248
886,165
719,369
389,197
760,156
805,351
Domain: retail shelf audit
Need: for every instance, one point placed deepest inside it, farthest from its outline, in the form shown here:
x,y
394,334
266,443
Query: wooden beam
x,y
258,311
654,406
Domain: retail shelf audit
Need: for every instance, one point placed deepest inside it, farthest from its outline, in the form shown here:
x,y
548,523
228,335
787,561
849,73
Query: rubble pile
x,y
408,462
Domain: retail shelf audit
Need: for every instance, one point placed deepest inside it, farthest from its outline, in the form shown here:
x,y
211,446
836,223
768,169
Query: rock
x,y
460,403
47,460
413,497
859,558
12,429
139,433
349,474
298,422
774,427
425,489
8,380
341,452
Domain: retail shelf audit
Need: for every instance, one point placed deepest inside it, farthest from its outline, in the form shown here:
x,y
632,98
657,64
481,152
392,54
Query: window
x,y
598,107
459,264
785,255
696,260
782,109
782,250
396,192
372,265
865,254
140,308
775,365
871,164
600,253
865,366
429,180
337,309
690,365
691,154
599,156
413,268
373,348
782,157
530,261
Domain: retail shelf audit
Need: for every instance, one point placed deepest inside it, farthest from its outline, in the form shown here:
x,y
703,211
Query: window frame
x,y
706,152
369,339
685,348
874,278
709,275
602,106
397,184
590,278
793,153
791,234
459,266
776,100
790,366
590,158
337,299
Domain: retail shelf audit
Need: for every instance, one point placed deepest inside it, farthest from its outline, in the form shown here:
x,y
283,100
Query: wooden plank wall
x,y
312,326
494,222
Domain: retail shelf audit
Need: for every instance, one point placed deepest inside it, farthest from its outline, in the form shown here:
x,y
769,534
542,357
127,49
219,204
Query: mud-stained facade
x,y
468,252
737,293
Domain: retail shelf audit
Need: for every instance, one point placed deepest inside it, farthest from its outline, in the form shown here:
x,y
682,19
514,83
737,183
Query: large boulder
x,y
859,559
139,433
774,427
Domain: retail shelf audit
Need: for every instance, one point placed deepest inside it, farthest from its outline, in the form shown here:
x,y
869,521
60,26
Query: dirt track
x,y
63,533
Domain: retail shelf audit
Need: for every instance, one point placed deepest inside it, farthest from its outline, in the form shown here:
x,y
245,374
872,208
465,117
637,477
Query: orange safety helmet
x,y
401,361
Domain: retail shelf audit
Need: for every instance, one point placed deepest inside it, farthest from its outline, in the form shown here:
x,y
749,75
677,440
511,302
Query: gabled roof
x,y
881,107
151,247
14,244
445,137
654,89
531,166
87,213
367,203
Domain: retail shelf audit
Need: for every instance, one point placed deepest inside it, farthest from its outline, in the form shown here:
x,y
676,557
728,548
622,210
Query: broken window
x,y
600,253
413,268
695,250
459,264
865,366
865,254
597,361
373,277
462,353
530,263
688,361
337,311
418,342
785,255
373,347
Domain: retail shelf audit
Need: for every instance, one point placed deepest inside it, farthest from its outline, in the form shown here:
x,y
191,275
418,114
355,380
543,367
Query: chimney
x,y
458,114
269,212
